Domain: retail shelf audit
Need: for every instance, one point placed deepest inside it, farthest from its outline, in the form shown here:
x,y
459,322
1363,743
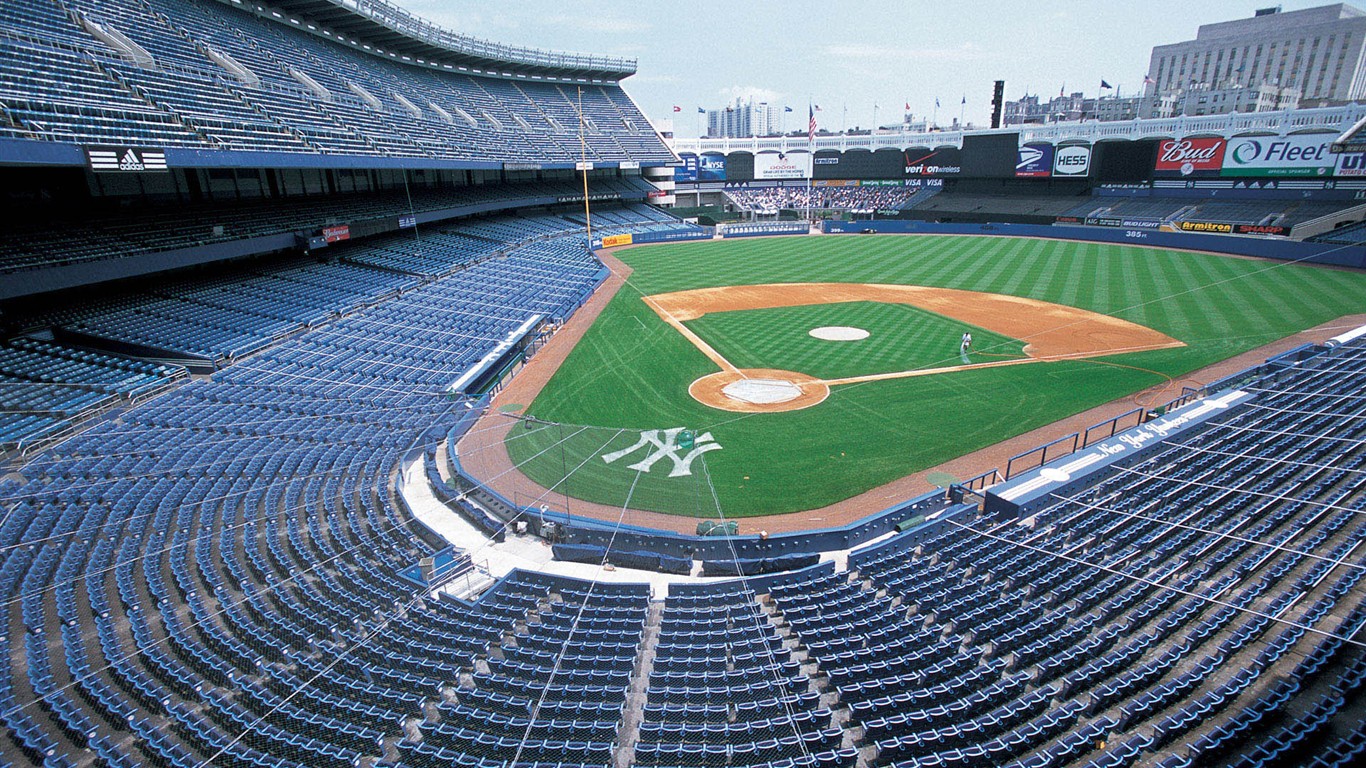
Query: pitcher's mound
x,y
759,390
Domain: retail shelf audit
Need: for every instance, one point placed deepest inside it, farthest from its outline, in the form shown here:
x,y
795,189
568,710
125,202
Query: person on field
x,y
965,343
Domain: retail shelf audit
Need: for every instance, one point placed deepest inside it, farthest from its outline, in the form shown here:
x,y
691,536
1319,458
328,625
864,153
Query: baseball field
x,y
774,375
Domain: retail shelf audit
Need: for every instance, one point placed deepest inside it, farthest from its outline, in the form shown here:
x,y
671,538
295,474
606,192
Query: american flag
x,y
811,124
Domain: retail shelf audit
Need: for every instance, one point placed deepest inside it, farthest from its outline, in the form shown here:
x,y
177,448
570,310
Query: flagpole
x,y
811,155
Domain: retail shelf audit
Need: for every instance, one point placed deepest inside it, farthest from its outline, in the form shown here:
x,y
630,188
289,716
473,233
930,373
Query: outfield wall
x,y
1282,250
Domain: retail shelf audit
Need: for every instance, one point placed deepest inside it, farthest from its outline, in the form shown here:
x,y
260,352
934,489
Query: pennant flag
x,y
701,111
787,109
965,98
936,102
817,107
1106,85
1149,81
677,108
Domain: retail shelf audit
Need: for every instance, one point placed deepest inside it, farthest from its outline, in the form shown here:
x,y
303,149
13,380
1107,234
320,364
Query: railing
x,y
399,20
1336,119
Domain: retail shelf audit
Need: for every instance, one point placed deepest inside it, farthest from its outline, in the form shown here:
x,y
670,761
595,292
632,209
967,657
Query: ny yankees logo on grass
x,y
667,442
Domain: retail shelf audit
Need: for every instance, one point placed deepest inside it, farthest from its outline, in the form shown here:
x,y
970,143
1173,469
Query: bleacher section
x,y
38,242
1285,213
203,74
1028,205
222,561
860,199
1351,234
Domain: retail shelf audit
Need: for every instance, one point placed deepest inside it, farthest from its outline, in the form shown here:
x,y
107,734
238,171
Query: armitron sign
x,y
1205,226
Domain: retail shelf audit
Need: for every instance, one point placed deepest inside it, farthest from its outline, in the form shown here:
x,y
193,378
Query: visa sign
x,y
1279,156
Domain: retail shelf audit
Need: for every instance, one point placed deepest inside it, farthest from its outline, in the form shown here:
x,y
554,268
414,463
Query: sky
x,y
846,57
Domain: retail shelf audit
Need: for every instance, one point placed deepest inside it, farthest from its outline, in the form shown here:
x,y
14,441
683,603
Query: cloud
x,y
750,92
890,53
613,25
655,79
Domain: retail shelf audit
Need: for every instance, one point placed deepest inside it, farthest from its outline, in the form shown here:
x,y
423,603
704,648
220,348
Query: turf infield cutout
x,y
1053,332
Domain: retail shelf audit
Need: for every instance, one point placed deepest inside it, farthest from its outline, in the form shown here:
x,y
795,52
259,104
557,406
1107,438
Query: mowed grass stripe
x,y
632,371
903,338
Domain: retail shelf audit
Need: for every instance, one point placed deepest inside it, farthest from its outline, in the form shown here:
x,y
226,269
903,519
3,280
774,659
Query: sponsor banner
x,y
920,182
1072,161
1261,229
1104,221
1190,157
782,165
711,168
612,241
594,196
836,183
835,160
1279,156
336,234
1140,223
656,193
521,166
687,172
628,165
1034,161
107,159
583,165
1068,220
1205,226
891,183
1351,164
940,162
407,222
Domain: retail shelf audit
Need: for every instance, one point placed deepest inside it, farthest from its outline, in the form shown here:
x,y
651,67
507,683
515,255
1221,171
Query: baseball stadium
x,y
374,395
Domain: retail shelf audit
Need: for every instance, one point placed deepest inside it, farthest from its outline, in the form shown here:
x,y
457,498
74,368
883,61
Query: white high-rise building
x,y
1316,52
744,119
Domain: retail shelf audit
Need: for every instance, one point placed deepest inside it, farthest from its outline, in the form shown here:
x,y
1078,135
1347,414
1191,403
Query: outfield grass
x,y
631,371
902,338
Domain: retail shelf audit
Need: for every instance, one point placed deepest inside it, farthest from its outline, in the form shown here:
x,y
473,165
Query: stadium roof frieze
x,y
384,29
1322,119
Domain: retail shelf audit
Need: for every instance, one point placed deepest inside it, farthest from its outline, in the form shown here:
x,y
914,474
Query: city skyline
x,y
708,53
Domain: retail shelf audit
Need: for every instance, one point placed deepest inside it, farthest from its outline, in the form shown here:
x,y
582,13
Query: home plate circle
x,y
759,390
762,391
839,333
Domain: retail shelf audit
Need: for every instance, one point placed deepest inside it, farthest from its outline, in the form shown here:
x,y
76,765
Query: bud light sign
x,y
1189,157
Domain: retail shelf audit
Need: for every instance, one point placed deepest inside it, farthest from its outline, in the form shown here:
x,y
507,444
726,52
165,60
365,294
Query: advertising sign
x,y
611,241
1261,229
1190,157
1205,226
1279,156
711,168
407,222
687,172
782,165
1072,161
125,159
1034,161
1351,164
337,234
938,162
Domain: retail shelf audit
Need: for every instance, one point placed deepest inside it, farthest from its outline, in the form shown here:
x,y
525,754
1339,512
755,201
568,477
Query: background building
x,y
1317,51
744,119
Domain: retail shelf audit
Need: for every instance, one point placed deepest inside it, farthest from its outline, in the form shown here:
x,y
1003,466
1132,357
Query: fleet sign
x,y
1279,156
